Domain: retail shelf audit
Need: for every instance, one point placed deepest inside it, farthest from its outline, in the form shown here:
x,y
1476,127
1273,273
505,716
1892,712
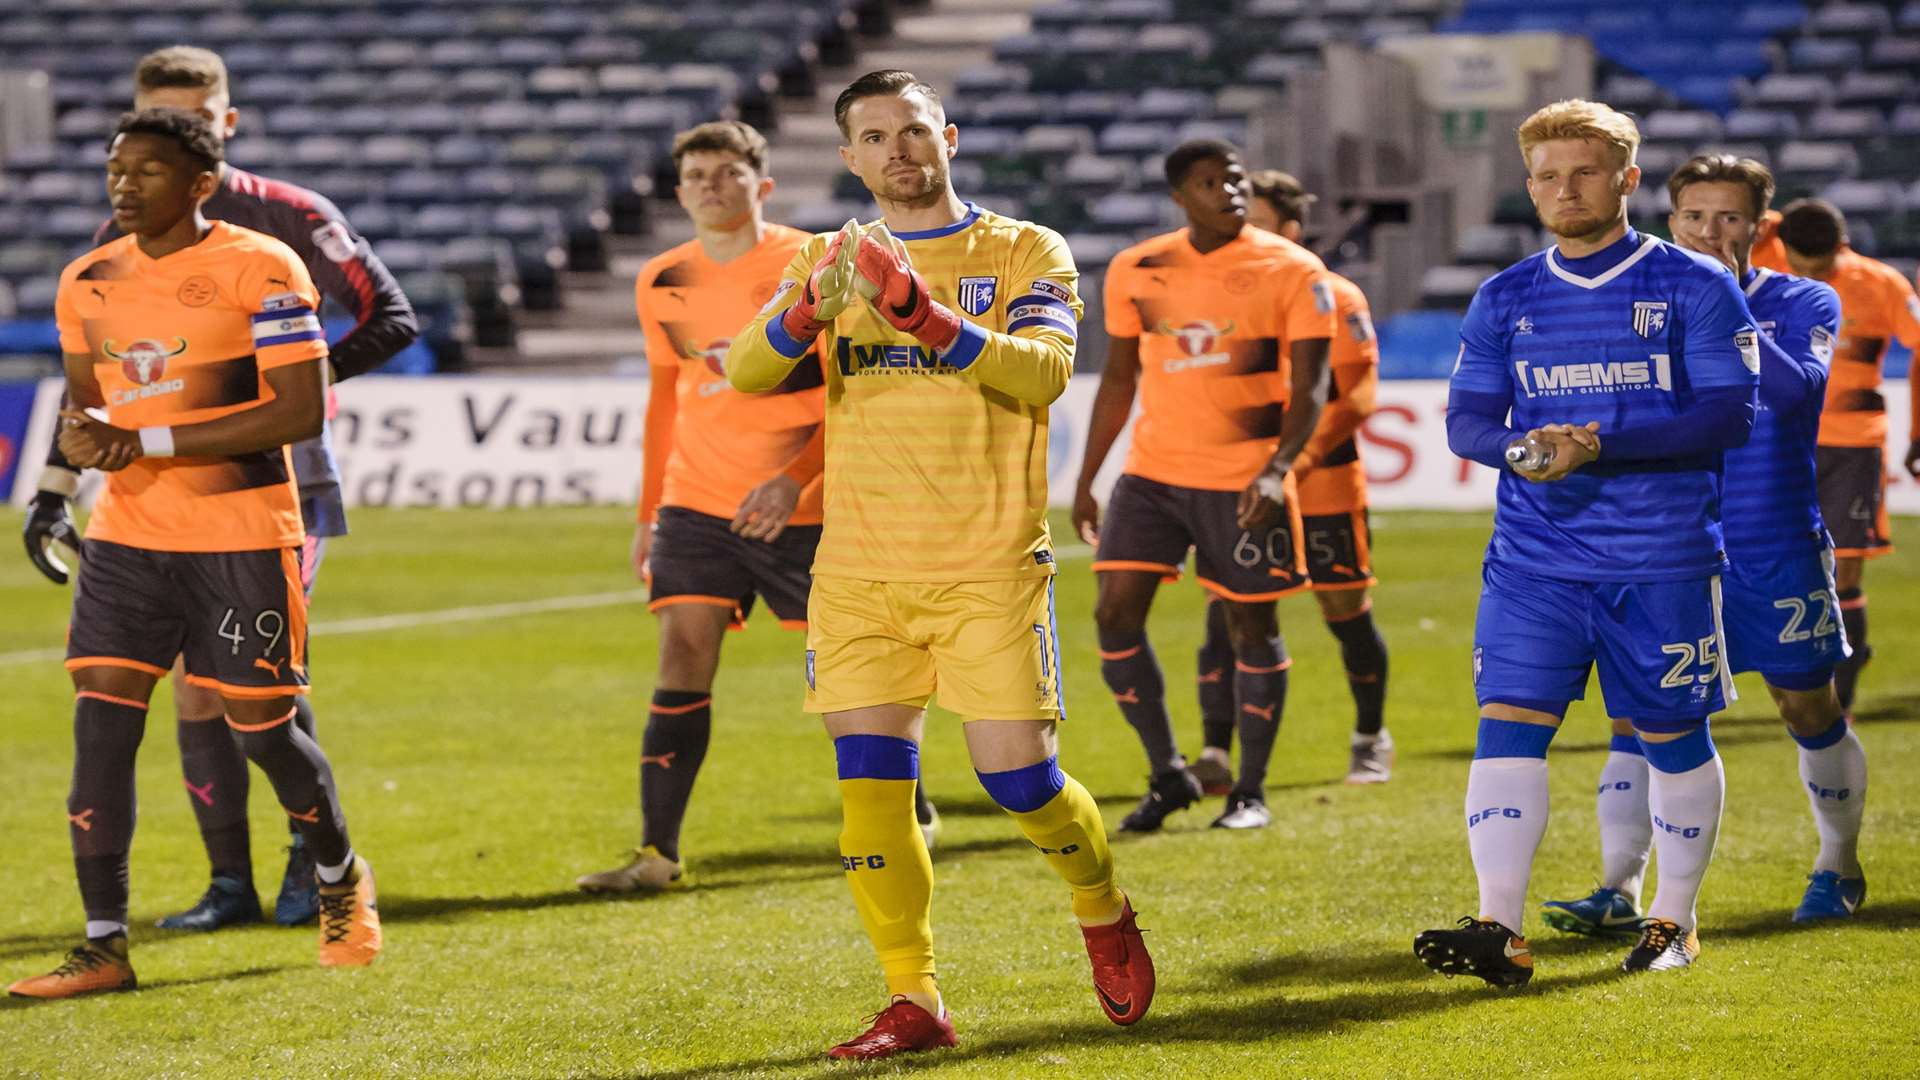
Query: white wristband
x,y
56,480
1271,487
156,442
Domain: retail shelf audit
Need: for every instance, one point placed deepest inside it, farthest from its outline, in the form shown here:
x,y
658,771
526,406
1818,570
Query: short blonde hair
x,y
1576,118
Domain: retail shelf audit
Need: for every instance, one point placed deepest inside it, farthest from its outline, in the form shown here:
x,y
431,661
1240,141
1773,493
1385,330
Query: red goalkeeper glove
x,y
828,290
900,293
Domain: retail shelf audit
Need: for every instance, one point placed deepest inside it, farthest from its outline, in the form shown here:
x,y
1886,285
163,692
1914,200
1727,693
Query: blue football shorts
x,y
1659,646
1783,618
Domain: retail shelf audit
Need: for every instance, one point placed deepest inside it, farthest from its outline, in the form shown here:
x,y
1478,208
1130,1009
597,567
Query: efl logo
x,y
1492,812
976,294
1595,377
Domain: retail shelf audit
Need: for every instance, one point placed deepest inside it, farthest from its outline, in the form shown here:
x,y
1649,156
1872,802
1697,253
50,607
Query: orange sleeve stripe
x,y
1251,670
1862,553
268,726
1121,654
78,662
793,624
111,700
680,710
1854,604
1347,586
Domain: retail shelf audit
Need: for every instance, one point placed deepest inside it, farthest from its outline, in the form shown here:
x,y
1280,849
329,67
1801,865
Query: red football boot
x,y
900,1028
1122,970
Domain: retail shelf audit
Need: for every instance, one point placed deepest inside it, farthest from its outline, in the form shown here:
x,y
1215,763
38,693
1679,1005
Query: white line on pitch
x,y
406,620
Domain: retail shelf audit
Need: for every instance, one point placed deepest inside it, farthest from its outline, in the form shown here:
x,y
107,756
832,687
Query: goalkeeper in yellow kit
x,y
948,330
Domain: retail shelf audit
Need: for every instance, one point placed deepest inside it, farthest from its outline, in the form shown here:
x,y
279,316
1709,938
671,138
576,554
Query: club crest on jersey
x,y
145,361
1196,338
1649,317
976,294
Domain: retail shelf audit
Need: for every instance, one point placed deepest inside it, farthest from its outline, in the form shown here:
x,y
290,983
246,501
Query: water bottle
x,y
1529,456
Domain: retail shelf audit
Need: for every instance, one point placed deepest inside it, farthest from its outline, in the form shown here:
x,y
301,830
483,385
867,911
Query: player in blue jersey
x,y
1780,606
1616,369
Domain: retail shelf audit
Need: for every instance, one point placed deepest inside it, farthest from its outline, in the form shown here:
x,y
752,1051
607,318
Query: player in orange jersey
x,y
1224,331
201,343
1333,506
1877,307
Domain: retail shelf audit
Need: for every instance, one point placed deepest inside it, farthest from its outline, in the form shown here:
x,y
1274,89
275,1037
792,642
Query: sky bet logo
x,y
1492,812
1690,832
1596,377
856,359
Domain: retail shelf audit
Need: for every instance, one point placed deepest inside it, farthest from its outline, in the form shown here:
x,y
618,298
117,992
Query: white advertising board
x,y
501,441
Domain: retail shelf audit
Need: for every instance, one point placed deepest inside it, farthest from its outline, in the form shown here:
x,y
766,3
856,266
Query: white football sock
x,y
1626,825
1506,817
99,928
1836,781
1686,819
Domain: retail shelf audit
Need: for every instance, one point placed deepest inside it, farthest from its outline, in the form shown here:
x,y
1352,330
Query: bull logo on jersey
x,y
976,294
1649,317
1197,338
145,361
715,355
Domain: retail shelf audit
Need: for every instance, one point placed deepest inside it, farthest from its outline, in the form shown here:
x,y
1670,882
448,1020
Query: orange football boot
x,y
93,968
350,919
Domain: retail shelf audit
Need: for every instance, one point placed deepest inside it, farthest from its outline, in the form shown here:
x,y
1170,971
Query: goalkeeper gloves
x,y
48,521
829,290
900,294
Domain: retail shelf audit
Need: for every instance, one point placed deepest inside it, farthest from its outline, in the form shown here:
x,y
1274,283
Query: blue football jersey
x,y
1628,337
1769,505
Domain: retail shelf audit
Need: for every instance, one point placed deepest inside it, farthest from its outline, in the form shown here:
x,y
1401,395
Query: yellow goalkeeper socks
x,y
888,869
1063,821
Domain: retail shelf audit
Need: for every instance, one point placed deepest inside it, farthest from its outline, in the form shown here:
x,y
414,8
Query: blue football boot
x,y
228,901
1830,896
299,900
1606,913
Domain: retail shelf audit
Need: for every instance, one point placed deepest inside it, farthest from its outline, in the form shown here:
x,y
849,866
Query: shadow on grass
x,y
1897,709
1193,1020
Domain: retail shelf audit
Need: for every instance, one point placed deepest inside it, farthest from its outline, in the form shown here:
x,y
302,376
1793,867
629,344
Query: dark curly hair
x,y
189,130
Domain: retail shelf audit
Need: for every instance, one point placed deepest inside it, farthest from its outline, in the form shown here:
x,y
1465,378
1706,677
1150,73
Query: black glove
x,y
48,520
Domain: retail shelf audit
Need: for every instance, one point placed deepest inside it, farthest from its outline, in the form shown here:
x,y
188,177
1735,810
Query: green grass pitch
x,y
486,762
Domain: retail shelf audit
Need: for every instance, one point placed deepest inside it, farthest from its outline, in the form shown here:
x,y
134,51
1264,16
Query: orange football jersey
x,y
184,339
1877,306
721,443
1214,330
1336,481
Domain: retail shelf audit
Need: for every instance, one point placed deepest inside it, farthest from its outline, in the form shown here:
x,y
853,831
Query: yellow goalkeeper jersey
x,y
937,470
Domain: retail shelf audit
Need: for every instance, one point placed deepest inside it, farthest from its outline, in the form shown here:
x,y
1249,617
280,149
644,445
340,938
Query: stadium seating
x,y
1826,94
428,123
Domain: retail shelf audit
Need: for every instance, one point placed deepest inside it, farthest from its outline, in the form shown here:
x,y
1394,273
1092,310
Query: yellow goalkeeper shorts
x,y
988,650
